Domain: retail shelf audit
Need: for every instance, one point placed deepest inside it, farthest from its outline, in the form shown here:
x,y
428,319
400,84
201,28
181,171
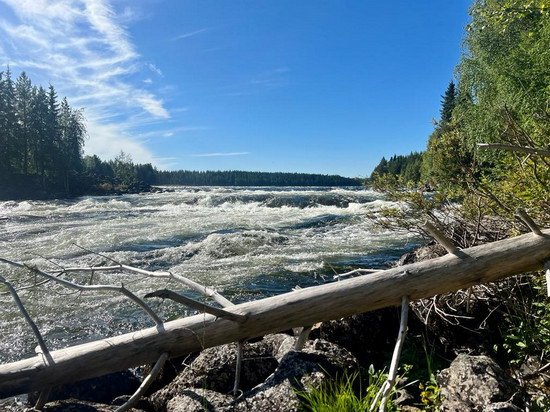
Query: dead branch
x,y
203,307
392,374
37,334
238,368
145,384
203,290
103,288
525,218
480,264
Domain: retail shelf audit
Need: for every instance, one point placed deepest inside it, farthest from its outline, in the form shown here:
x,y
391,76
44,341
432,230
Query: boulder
x,y
198,400
365,335
297,371
476,383
214,369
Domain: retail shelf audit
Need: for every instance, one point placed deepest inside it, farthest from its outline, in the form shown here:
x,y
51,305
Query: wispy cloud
x,y
189,34
261,82
83,48
216,154
154,69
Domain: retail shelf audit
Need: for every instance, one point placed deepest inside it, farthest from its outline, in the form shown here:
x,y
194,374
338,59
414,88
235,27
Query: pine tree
x,y
23,107
41,146
8,125
72,139
448,104
53,135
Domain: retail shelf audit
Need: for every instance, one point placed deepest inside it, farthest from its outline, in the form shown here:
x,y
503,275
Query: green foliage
x,y
526,327
405,167
448,104
40,140
240,178
347,394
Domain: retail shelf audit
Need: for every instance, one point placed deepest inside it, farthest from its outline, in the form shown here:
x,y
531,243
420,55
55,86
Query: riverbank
x,y
449,362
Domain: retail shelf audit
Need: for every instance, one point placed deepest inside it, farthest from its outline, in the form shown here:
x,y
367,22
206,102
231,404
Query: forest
x,y
41,154
499,97
41,139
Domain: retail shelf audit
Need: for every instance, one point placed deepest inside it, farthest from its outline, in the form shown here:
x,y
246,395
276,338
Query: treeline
x,y
123,175
501,97
240,178
405,166
41,139
41,154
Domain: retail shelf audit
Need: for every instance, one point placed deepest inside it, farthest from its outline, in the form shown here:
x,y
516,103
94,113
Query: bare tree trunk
x,y
480,264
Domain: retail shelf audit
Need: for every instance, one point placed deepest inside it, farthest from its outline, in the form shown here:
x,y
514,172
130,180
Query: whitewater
x,y
247,243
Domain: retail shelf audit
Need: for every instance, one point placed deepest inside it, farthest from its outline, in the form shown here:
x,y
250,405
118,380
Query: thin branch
x,y
204,290
302,338
525,218
203,307
355,272
397,351
37,334
441,239
97,253
42,399
513,148
104,288
145,384
238,368
547,275
392,374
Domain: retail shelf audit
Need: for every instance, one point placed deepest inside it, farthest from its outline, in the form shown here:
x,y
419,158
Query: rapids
x,y
245,242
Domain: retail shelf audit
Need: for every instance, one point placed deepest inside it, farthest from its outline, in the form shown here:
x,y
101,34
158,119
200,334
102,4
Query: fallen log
x,y
480,264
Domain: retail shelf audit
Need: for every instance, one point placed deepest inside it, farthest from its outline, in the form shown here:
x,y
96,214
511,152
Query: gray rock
x,y
214,369
501,407
420,254
297,371
473,382
74,405
197,400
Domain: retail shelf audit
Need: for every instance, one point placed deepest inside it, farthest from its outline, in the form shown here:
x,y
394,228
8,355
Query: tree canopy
x,y
41,139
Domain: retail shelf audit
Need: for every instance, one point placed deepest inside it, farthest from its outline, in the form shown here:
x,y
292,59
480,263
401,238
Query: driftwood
x,y
480,264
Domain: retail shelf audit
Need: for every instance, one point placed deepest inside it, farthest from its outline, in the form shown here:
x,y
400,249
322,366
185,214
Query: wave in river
x,y
246,242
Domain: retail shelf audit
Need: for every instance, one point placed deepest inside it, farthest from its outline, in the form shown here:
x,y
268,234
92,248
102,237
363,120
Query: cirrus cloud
x,y
82,48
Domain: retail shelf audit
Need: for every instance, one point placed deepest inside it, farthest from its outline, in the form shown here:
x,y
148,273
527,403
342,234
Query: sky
x,y
295,86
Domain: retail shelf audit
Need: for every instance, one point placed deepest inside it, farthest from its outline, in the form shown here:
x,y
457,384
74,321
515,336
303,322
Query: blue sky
x,y
297,86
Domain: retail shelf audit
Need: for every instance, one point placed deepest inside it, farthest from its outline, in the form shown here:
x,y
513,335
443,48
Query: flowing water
x,y
245,242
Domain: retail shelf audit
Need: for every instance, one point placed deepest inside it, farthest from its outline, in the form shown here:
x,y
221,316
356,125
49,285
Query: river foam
x,y
246,242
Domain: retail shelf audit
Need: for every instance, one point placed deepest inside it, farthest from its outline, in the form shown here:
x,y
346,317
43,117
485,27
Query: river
x,y
247,243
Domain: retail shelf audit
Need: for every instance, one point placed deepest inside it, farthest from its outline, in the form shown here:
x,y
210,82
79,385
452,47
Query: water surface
x,y
247,243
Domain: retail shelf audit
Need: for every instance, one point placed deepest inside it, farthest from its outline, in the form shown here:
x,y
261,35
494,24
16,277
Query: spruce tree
x,y
448,104
23,107
8,124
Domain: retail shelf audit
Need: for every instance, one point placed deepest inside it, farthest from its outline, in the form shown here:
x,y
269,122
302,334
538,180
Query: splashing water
x,y
247,243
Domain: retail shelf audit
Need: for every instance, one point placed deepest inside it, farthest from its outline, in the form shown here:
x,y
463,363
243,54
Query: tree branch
x,y
513,148
203,307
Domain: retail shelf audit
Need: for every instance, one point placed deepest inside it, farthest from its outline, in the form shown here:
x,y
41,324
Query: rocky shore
x,y
465,376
